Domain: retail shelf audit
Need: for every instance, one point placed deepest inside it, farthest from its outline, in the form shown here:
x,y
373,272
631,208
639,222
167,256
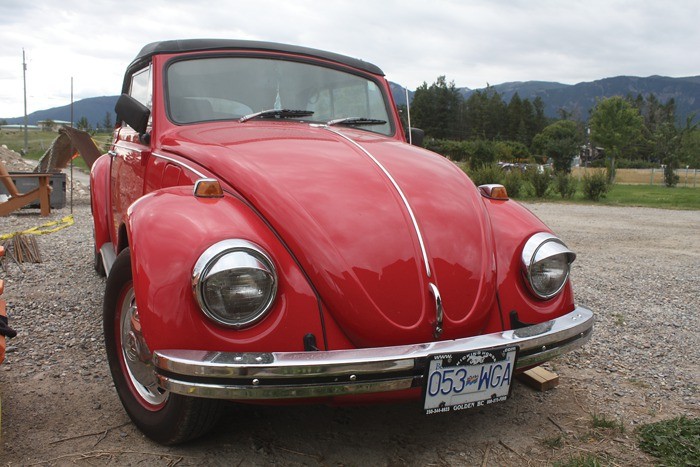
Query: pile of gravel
x,y
14,162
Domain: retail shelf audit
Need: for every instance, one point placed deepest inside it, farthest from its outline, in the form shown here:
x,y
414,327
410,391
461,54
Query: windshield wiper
x,y
356,121
277,113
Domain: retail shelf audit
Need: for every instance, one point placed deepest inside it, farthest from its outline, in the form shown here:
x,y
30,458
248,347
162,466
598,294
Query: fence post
x,y
651,180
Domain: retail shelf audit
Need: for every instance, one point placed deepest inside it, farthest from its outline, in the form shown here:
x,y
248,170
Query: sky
x,y
471,42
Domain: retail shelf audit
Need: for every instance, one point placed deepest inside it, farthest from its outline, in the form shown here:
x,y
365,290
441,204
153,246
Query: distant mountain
x,y
577,99
92,108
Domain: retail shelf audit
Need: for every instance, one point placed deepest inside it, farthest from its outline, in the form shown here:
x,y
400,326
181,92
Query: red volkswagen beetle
x,y
268,234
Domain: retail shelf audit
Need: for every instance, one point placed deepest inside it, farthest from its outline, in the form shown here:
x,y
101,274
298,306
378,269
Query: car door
x,y
130,155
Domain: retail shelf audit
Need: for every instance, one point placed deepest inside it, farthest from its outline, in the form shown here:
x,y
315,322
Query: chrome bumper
x,y
284,375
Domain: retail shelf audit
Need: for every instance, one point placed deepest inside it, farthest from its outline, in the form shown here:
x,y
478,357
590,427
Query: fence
x,y
655,176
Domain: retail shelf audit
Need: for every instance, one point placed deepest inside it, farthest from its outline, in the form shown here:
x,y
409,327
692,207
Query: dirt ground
x,y
63,410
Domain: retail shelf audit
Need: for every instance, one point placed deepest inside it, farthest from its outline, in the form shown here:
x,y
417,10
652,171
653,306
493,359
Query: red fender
x,y
99,199
168,230
513,225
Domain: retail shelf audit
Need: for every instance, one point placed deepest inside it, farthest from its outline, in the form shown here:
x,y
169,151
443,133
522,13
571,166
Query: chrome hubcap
x,y
136,354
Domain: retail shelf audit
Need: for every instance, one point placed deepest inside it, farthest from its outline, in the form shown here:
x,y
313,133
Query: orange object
x,y
2,338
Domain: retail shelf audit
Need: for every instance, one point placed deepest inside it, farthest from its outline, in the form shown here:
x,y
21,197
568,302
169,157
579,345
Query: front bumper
x,y
286,375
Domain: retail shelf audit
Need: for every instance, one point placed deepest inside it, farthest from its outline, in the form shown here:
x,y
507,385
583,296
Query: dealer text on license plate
x,y
457,381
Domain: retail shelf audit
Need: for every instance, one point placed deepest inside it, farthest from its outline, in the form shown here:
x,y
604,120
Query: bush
x,y
482,153
595,185
670,177
513,181
565,184
487,174
540,179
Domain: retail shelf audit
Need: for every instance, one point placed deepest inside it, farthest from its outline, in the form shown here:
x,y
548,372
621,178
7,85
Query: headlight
x,y
546,262
235,283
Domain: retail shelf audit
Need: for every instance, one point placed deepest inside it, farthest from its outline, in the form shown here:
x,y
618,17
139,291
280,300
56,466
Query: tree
x,y
560,141
616,125
83,124
436,109
3,122
690,148
107,122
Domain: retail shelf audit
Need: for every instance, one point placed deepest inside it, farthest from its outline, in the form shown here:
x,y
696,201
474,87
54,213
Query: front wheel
x,y
162,416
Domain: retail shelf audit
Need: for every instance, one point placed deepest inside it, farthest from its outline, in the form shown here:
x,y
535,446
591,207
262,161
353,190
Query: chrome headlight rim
x,y
540,247
209,258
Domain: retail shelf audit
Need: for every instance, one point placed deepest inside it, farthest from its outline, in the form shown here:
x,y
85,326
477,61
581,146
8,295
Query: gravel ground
x,y
638,269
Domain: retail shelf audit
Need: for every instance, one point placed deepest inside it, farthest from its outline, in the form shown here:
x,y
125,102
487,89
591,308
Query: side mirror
x,y
416,136
134,113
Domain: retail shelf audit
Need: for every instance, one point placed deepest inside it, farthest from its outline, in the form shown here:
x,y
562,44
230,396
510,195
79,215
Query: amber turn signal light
x,y
208,188
494,191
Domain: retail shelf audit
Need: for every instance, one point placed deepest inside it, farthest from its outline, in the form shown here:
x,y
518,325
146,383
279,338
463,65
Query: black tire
x,y
164,417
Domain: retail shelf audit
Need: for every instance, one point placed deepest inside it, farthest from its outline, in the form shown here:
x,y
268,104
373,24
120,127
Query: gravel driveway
x,y
638,269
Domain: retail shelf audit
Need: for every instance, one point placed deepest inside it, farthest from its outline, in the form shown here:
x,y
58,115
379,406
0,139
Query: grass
x,y
673,442
600,421
39,141
587,460
620,194
651,196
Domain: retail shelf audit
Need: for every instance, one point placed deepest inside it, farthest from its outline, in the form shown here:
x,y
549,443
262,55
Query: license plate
x,y
458,381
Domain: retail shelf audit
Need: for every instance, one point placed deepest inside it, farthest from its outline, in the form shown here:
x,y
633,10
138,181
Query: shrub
x,y
565,184
513,181
487,174
595,185
670,177
540,179
482,153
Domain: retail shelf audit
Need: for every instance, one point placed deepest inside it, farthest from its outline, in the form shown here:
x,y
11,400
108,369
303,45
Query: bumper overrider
x,y
285,375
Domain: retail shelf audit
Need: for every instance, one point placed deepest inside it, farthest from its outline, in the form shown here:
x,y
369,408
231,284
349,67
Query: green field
x,y
39,141
651,196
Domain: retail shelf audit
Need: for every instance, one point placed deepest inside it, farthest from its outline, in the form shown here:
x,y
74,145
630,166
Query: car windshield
x,y
231,88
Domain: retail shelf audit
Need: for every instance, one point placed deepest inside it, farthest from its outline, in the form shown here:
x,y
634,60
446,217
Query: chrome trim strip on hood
x,y
180,163
398,190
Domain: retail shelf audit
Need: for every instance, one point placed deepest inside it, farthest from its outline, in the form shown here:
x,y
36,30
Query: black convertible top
x,y
194,45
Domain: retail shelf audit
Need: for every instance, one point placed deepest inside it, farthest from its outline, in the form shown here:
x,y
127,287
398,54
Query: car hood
x,y
372,221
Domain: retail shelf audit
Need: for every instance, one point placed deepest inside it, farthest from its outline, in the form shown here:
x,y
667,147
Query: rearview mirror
x,y
416,136
133,113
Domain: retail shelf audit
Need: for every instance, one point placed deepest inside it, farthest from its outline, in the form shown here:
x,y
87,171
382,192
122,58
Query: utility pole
x,y
24,79
71,102
72,149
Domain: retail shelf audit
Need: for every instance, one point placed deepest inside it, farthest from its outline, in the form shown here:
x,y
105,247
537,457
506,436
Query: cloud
x,y
471,42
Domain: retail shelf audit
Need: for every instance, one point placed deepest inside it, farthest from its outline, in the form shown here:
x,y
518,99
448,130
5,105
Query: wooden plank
x,y
18,200
539,378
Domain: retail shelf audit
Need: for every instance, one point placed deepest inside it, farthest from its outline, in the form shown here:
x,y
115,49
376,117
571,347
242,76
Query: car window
x,y
223,88
141,87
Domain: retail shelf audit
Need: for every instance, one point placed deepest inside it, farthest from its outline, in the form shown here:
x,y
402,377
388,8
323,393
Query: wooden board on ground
x,y
539,378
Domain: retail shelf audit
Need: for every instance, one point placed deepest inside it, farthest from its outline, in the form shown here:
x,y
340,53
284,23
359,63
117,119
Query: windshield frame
x,y
377,81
